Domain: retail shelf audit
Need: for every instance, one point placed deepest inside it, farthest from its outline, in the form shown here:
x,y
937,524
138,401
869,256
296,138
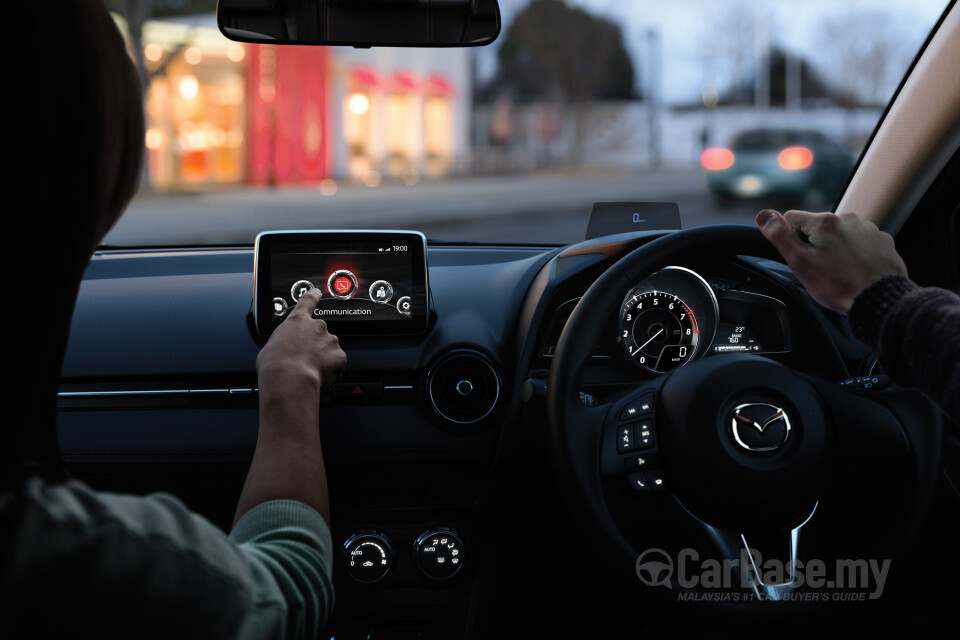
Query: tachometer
x,y
658,330
667,320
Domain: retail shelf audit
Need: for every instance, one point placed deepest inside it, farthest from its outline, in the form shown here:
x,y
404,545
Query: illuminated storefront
x,y
222,113
195,106
404,113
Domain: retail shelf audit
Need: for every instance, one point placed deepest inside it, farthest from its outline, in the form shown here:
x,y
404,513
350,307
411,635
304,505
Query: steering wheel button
x,y
642,461
655,478
639,481
638,408
644,437
625,439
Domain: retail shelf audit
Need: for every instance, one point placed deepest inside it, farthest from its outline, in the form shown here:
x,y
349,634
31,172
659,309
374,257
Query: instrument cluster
x,y
674,317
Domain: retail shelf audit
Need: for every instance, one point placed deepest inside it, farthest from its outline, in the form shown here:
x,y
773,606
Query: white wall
x,y
616,134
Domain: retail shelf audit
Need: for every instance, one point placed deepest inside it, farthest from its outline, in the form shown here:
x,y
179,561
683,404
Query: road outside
x,y
537,209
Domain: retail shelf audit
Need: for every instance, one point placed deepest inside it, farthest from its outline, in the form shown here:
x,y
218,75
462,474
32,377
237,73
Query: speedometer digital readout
x,y
658,330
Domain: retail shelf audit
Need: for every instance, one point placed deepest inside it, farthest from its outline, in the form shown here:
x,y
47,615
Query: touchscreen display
x,y
370,282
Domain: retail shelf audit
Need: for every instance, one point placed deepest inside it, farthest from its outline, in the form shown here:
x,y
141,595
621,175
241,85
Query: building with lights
x,y
220,112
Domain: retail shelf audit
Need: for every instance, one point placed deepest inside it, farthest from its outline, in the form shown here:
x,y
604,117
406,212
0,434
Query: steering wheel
x,y
750,450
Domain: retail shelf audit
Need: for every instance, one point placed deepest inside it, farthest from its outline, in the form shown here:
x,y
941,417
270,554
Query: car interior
x,y
503,447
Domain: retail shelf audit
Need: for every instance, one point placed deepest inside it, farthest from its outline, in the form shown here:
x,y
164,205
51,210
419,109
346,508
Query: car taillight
x,y
716,159
794,158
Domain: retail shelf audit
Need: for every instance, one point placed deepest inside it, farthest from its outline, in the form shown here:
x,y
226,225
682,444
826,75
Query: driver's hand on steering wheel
x,y
835,256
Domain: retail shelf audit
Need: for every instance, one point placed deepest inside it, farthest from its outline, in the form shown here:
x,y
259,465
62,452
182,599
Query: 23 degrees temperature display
x,y
370,282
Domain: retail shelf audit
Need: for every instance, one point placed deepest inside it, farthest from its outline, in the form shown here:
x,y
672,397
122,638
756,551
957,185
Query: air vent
x,y
463,387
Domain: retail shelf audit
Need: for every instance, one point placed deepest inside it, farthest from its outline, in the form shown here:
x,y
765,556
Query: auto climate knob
x,y
368,556
439,553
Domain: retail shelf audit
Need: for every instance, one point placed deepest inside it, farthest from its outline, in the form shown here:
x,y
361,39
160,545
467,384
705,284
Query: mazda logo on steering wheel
x,y
757,426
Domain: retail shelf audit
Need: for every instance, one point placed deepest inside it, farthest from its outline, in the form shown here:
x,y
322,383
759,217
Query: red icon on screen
x,y
342,285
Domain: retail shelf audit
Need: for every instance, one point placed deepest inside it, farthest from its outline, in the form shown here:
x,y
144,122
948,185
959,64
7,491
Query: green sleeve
x,y
77,562
291,542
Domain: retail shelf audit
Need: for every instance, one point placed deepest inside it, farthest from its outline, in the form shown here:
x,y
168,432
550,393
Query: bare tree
x,y
865,53
727,46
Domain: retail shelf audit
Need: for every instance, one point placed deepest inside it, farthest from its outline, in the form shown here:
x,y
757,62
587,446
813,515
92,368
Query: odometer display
x,y
658,330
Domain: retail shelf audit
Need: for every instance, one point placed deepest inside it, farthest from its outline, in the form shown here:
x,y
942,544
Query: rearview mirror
x,y
361,23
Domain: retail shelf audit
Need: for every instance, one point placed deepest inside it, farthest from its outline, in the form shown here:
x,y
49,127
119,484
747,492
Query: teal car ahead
x,y
798,167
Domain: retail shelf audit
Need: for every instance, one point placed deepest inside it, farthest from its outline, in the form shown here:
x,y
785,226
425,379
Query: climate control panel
x,y
439,553
436,554
369,556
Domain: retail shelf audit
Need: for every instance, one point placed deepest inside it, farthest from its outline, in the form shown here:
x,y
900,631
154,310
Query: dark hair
x,y
85,100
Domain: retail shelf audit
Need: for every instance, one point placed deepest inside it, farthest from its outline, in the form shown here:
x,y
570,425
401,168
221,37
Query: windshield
x,y
722,107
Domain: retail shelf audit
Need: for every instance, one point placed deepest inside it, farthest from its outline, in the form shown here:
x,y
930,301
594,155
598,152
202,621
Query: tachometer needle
x,y
651,339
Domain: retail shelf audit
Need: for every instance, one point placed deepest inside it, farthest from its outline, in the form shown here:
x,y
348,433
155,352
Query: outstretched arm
x,y
298,360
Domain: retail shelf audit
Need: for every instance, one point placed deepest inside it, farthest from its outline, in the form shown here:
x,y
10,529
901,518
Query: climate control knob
x,y
439,553
368,556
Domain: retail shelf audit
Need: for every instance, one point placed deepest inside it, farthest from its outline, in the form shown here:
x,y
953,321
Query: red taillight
x,y
794,158
716,159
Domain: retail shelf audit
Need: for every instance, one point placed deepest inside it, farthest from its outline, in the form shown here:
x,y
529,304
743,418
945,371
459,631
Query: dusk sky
x,y
684,25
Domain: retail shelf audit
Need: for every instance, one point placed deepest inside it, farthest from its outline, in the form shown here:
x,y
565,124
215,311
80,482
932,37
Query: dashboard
x,y
433,442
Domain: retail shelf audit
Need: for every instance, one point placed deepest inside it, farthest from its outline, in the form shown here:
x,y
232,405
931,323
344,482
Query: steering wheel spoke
x,y
752,553
866,434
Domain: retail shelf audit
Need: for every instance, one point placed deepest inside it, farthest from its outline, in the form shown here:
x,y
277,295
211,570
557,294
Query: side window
x,y
929,240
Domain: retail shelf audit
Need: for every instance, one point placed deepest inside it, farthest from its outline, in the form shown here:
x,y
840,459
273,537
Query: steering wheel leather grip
x,y
836,434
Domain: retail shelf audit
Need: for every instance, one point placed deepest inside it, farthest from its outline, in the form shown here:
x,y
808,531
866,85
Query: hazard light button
x,y
357,390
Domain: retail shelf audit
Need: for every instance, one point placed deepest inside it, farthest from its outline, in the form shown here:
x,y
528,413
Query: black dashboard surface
x,y
170,312
160,366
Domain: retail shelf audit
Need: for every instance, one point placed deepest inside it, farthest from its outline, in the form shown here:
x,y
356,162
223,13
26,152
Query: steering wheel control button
x,y
381,291
280,307
638,481
404,305
642,461
625,439
646,481
439,553
299,288
368,556
655,478
644,431
342,284
638,408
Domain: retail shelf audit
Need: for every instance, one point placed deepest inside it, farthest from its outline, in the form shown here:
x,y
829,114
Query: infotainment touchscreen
x,y
371,282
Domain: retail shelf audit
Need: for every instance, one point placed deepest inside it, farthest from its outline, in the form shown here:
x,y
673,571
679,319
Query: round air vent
x,y
463,387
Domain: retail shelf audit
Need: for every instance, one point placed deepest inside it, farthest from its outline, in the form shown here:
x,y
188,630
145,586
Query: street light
x,y
358,104
189,87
